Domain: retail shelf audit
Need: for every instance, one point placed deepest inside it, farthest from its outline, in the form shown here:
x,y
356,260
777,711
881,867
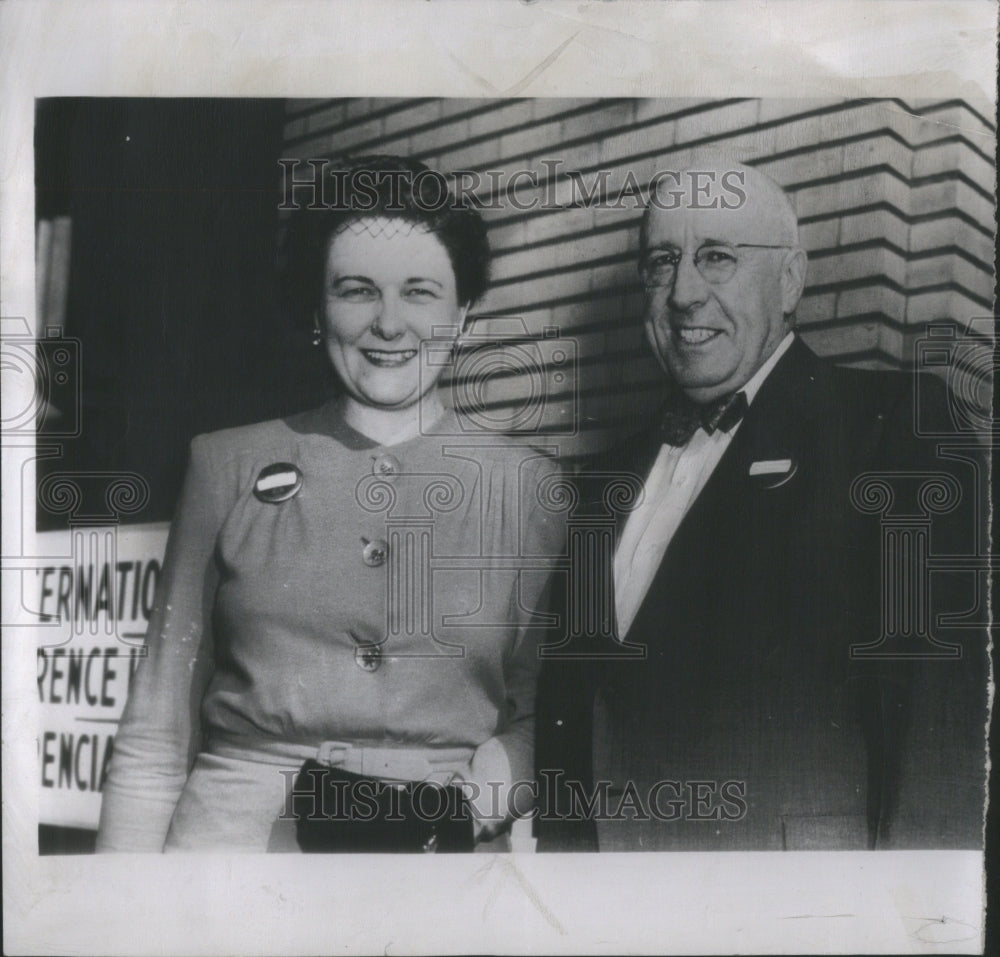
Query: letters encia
x,y
77,762
89,678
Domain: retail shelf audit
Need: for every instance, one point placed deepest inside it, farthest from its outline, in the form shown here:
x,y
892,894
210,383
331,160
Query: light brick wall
x,y
895,201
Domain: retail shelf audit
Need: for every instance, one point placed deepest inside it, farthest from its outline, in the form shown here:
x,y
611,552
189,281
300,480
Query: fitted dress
x,y
384,600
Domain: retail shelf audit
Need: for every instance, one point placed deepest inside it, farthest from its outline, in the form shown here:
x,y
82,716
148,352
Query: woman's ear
x,y
793,280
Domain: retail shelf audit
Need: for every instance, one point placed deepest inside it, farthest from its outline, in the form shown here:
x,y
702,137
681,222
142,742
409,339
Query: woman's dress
x,y
322,590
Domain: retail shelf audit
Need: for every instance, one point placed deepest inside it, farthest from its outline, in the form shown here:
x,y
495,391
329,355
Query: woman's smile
x,y
388,358
388,291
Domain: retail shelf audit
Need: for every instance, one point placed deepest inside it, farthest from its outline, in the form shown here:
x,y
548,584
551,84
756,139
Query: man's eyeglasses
x,y
717,263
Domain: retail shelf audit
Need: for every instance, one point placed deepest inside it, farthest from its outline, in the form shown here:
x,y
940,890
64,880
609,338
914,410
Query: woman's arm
x,y
158,736
503,766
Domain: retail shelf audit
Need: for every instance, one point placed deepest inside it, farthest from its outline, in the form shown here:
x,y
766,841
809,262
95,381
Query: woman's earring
x,y
317,332
459,340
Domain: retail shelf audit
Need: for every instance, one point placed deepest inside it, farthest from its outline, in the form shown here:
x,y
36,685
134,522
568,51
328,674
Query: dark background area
x,y
173,292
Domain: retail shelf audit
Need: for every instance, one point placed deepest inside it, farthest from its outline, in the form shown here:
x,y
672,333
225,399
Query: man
x,y
734,706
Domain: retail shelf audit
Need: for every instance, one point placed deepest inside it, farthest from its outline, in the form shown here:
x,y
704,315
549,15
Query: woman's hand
x,y
487,787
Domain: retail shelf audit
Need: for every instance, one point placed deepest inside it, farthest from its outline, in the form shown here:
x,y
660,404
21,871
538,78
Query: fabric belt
x,y
440,765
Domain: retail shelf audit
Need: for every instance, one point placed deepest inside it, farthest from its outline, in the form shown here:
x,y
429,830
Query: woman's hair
x,y
392,187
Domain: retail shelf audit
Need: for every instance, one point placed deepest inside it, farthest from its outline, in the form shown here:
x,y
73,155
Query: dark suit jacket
x,y
749,723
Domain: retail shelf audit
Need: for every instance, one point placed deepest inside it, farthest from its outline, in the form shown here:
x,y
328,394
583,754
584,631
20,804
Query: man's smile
x,y
696,335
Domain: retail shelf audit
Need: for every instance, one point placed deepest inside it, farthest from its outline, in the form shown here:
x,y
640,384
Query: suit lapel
x,y
635,458
779,425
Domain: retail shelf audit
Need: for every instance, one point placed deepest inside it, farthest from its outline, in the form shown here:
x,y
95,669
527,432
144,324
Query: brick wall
x,y
895,201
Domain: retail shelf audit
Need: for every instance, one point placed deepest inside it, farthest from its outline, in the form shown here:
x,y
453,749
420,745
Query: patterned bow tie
x,y
682,417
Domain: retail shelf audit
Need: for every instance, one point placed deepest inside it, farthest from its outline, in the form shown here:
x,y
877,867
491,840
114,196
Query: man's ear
x,y
793,280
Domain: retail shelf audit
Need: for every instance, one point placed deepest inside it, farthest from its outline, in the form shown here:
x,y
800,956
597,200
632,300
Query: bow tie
x,y
682,417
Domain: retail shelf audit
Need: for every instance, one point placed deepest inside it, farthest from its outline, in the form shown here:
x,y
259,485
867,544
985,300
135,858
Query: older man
x,y
744,700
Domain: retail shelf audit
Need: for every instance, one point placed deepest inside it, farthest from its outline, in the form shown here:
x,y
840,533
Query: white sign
x,y
92,608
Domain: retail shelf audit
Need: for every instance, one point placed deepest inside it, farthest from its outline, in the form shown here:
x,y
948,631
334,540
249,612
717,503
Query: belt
x,y
440,765
394,764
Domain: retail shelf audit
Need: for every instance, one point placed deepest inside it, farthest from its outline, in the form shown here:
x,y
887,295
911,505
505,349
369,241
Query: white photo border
x,y
899,902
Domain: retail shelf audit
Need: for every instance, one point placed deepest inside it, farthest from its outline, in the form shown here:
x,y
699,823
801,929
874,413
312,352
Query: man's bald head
x,y
750,205
723,270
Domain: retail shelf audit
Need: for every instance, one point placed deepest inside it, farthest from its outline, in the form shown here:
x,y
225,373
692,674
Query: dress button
x,y
368,657
375,553
387,466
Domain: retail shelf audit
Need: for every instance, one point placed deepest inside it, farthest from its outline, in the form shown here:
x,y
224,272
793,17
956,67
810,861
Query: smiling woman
x,y
311,675
389,288
393,263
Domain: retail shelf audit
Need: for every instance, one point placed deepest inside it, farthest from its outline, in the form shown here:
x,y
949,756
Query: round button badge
x,y
278,483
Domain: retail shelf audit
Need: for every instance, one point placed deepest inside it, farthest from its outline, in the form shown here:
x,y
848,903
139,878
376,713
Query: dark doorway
x,y
172,291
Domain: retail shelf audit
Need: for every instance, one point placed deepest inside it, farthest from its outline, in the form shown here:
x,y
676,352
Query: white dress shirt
x,y
676,479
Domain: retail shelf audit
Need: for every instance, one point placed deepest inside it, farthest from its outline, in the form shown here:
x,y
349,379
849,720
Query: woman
x,y
340,591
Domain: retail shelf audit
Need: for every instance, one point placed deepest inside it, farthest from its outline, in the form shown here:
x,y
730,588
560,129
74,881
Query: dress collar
x,y
328,420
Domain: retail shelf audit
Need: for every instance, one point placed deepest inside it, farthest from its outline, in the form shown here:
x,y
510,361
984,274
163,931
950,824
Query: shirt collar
x,y
757,380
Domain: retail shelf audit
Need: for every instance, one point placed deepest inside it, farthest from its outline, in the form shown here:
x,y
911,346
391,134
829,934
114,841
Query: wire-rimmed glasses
x,y
716,262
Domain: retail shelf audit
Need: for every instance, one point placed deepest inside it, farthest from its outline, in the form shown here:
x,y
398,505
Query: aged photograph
x,y
462,508
616,467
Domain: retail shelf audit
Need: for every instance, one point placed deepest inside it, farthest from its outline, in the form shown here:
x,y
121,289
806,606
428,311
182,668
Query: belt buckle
x,y
394,766
332,753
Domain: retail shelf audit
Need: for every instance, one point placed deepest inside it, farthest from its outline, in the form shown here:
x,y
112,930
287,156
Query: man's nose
x,y
389,322
689,287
